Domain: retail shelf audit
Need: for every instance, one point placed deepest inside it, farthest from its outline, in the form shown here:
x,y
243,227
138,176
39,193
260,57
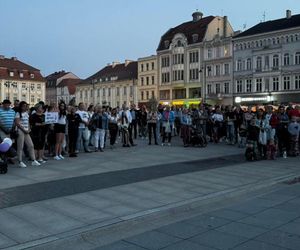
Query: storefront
x,y
254,100
186,102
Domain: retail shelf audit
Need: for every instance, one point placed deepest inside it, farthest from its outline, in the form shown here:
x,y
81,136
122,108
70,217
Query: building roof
x,y
188,29
70,83
8,65
118,72
270,26
56,75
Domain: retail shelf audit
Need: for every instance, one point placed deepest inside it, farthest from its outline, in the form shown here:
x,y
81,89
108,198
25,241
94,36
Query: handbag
x,y
168,127
262,138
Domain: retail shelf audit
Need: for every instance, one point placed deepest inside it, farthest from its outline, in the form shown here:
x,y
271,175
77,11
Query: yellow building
x,y
147,79
181,61
19,81
114,85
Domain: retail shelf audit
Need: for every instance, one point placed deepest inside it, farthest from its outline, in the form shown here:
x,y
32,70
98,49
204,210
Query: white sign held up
x,y
51,117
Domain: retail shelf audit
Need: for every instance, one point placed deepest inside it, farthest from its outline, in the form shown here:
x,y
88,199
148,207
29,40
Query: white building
x,y
114,85
267,62
19,81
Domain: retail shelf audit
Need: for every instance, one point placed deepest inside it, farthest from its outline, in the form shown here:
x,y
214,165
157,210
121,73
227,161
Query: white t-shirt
x,y
62,120
217,117
24,120
84,116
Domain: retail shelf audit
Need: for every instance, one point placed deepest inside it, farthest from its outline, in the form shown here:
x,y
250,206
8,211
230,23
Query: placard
x,y
51,117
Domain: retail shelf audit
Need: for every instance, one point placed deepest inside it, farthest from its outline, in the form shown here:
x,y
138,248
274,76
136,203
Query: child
x,y
294,130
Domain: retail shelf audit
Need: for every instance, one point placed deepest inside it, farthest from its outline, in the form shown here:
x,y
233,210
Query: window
x,y
194,74
38,86
286,83
152,65
275,62
152,94
165,62
164,94
218,88
194,57
258,63
23,85
258,85
178,59
275,83
165,77
32,86
147,66
178,75
208,88
142,67
297,82
239,65
209,53
239,86
218,70
248,85
227,50
147,80
86,94
297,58
267,62
218,52
32,99
98,92
21,75
142,95
125,91
109,91
152,80
209,71
226,87
147,95
142,81
31,76
103,92
11,74
226,69
286,59
249,64
131,90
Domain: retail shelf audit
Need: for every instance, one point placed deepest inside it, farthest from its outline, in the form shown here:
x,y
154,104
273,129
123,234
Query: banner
x,y
51,117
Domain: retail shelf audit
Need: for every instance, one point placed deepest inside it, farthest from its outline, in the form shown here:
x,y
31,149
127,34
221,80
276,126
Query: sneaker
x,y
22,165
41,161
169,144
76,151
57,158
61,157
35,163
162,144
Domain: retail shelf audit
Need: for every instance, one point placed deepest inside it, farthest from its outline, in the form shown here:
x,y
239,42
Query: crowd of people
x,y
266,132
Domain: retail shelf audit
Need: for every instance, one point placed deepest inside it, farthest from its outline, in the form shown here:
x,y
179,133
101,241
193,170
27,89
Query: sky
x,y
83,36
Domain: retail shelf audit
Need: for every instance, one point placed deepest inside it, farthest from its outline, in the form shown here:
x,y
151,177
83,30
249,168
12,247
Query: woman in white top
x,y
60,130
22,123
217,119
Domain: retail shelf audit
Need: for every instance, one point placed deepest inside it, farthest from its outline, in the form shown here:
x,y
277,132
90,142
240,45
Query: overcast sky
x,y
82,36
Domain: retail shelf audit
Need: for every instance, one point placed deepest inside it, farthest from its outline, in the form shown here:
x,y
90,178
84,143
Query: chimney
x,y
115,63
288,14
197,16
225,23
2,57
127,62
14,58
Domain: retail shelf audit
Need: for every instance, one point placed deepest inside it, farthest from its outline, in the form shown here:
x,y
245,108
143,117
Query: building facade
x,y
267,62
66,90
147,79
19,81
114,85
182,71
53,81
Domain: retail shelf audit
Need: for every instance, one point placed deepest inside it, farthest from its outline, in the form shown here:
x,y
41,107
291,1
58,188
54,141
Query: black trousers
x,y
113,131
73,134
130,128
134,127
152,127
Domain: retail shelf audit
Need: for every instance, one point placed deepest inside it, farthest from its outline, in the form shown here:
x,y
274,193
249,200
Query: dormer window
x,y
179,44
11,74
21,75
31,76
167,44
195,38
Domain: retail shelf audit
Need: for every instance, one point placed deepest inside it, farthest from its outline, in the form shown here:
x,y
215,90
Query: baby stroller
x,y
197,137
251,153
5,152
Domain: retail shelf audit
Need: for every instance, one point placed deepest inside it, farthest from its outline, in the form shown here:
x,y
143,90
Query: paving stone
x,y
289,207
258,245
153,240
121,210
182,230
241,229
120,245
228,214
208,222
287,240
270,218
292,227
187,245
218,240
5,241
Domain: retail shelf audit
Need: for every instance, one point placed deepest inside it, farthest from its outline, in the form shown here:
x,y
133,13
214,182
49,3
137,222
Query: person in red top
x,y
295,112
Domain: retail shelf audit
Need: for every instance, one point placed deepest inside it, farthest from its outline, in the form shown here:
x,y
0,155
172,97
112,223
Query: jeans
x,y
152,127
99,135
81,139
230,133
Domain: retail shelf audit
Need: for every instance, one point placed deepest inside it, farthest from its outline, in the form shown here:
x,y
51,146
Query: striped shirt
x,y
7,118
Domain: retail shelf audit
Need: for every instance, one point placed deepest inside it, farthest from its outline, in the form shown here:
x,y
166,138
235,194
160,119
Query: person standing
x,y
126,120
60,130
22,123
186,123
83,132
113,127
168,119
282,132
38,132
152,121
143,122
73,124
7,117
135,116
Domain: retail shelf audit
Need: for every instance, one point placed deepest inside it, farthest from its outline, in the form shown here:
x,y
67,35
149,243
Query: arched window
x,y
275,61
286,59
